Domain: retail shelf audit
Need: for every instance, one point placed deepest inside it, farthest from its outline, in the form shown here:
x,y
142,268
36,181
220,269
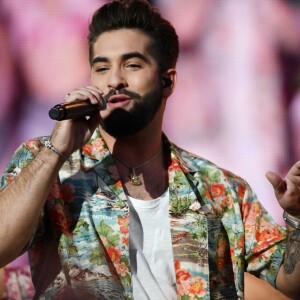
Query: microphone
x,y
74,110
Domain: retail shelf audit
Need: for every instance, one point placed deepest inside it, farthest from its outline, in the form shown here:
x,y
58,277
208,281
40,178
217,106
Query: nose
x,y
116,80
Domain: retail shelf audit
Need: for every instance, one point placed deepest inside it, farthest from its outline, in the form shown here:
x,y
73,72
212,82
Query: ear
x,y
169,81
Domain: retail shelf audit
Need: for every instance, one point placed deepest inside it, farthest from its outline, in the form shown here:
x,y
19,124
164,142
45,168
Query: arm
x,y
257,289
287,192
22,201
288,276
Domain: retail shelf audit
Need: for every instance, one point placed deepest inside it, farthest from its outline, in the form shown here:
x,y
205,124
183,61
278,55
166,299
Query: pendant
x,y
134,179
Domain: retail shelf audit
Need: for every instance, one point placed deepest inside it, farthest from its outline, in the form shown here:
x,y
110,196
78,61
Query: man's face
x,y
128,74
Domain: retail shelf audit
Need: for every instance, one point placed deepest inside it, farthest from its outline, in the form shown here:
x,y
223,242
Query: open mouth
x,y
118,100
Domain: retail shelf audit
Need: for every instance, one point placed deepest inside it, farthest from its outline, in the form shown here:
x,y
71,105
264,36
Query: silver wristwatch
x,y
290,220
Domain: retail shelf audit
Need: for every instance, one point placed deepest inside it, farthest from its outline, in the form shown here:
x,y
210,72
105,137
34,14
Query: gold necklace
x,y
133,178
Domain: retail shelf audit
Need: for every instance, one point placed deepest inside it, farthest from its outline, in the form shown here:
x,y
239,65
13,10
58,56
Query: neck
x,y
134,151
133,148
139,147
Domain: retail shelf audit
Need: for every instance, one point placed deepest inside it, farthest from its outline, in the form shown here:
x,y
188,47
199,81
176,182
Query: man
x,y
110,209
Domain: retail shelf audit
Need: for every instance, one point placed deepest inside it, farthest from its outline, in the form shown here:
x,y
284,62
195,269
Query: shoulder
x,y
196,163
204,170
25,153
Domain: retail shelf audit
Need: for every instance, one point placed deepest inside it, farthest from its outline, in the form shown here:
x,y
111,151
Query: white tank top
x,y
150,249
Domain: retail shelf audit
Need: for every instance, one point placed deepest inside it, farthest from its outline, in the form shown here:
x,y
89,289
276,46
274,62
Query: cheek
x,y
99,83
138,83
94,79
144,84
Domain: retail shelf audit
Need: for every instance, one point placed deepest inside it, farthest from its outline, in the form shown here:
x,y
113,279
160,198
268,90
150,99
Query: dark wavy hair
x,y
137,14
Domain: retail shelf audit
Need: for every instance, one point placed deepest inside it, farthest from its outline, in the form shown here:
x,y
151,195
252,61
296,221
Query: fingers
x,y
91,93
294,173
278,184
287,190
69,135
291,179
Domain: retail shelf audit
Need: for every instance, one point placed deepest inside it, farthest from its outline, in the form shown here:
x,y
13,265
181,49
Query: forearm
x,y
22,201
258,289
288,278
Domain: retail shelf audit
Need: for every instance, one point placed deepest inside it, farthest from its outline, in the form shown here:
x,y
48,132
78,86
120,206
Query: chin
x,y
122,123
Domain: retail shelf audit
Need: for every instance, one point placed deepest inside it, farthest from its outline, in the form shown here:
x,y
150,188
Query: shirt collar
x,y
97,149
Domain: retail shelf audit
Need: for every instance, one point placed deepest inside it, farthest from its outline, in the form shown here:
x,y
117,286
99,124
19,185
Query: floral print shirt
x,y
80,249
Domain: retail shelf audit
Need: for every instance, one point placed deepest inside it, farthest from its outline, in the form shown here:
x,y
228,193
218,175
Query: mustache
x,y
113,92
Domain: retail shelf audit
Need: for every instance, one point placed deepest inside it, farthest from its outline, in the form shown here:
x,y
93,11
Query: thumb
x,y
277,182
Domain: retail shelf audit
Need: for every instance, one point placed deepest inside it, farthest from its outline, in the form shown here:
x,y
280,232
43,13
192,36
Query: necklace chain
x,y
134,179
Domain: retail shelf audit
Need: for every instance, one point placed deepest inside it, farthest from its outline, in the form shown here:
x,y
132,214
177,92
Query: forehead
x,y
113,44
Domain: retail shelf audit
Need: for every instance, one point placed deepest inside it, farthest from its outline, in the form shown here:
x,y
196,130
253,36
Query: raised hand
x,y
287,190
69,135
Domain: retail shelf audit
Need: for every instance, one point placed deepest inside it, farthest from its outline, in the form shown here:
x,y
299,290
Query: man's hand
x,y
70,135
287,190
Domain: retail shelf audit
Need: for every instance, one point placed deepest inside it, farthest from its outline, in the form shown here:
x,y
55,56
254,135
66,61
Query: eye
x,y
101,70
133,66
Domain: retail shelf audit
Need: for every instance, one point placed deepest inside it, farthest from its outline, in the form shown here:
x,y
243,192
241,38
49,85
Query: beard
x,y
123,123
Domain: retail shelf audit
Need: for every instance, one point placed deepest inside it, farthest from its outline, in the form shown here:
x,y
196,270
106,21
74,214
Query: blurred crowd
x,y
237,100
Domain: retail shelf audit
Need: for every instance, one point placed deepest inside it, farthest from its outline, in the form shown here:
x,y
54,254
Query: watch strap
x,y
291,220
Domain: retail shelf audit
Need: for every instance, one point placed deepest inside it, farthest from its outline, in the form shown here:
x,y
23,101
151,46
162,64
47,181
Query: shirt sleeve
x,y
264,239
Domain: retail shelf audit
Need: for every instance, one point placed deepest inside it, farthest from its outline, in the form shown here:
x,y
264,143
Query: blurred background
x,y
237,100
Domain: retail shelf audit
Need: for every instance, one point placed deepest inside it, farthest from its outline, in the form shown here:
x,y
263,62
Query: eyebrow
x,y
126,56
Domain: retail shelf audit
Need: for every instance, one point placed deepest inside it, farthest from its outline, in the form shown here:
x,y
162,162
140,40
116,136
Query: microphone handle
x,y
73,110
